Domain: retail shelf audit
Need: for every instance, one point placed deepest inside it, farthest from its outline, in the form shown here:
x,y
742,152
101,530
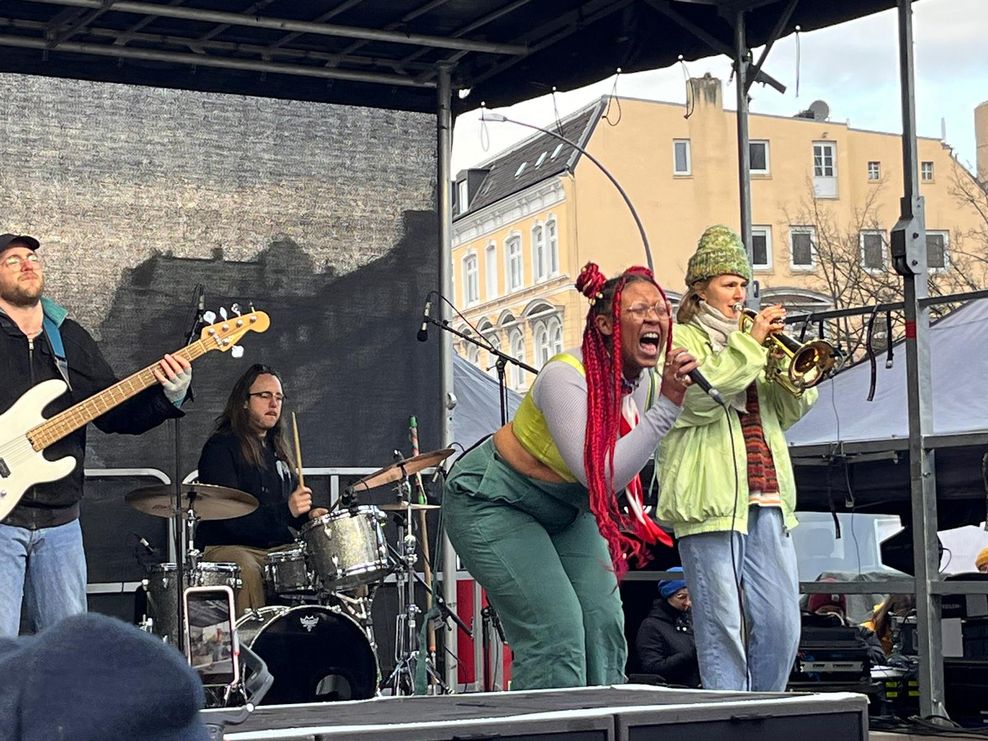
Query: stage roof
x,y
383,53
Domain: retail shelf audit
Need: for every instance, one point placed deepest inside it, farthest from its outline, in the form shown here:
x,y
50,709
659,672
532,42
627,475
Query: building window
x,y
490,271
541,345
758,155
517,375
552,246
473,354
681,164
548,340
825,169
761,247
874,171
514,266
462,196
926,171
801,245
540,260
471,292
872,250
495,342
936,251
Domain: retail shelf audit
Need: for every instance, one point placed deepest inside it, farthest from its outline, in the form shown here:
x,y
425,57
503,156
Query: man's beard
x,y
24,295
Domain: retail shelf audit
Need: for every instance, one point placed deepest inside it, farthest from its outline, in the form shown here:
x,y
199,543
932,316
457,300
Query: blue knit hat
x,y
668,587
94,677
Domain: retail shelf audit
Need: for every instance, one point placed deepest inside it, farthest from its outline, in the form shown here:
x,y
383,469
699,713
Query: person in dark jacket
x,y
248,451
42,561
665,641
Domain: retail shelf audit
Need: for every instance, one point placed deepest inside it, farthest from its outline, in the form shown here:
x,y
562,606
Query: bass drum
x,y
314,653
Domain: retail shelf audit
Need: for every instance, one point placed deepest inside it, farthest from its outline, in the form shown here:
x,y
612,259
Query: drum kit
x,y
317,639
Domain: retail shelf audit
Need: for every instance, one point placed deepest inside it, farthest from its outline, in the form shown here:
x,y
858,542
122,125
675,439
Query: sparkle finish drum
x,y
347,549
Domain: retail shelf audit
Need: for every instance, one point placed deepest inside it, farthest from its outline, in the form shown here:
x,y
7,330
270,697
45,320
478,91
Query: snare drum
x,y
314,653
163,593
347,548
286,573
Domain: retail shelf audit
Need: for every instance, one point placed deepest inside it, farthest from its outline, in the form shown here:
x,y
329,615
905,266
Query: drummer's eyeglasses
x,y
269,395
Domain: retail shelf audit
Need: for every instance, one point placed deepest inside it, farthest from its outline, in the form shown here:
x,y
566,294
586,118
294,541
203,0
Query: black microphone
x,y
423,333
704,384
201,303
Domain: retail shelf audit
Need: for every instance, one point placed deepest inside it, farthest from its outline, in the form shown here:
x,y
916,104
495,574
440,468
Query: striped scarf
x,y
761,467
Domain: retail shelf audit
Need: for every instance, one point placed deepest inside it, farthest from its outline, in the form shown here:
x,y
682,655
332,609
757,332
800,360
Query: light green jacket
x,y
695,463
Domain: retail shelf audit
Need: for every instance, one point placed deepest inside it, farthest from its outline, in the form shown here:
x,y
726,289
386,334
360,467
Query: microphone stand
x,y
488,617
195,323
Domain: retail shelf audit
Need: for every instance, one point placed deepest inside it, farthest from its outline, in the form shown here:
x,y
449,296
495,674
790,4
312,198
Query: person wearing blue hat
x,y
93,677
665,641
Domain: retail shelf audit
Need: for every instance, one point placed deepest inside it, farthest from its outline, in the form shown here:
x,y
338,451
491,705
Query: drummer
x,y
247,451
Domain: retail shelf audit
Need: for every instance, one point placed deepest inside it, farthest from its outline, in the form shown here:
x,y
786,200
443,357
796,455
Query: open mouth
x,y
648,343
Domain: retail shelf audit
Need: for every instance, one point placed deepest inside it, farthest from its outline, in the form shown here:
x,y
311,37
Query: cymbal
x,y
402,469
402,506
210,502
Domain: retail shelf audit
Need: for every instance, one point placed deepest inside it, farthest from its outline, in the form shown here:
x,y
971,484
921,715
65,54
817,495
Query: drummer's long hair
x,y
603,363
235,419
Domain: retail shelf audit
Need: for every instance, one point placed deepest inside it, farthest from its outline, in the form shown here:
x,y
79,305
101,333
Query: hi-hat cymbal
x,y
402,469
402,506
210,502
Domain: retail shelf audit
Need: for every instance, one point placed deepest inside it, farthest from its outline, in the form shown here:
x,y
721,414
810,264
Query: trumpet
x,y
795,366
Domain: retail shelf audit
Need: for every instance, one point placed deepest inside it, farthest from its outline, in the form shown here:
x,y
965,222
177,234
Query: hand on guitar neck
x,y
25,433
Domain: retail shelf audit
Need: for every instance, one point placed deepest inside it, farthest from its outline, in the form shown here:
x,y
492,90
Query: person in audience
x,y
665,641
981,562
881,619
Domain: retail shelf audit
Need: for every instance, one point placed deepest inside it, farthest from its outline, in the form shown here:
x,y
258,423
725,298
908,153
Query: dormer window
x,y
541,159
521,169
556,151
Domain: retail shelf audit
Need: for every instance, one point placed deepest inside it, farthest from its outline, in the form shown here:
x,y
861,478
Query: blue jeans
x,y
45,567
766,562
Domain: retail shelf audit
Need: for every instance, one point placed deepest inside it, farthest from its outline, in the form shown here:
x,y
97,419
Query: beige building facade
x,y
526,221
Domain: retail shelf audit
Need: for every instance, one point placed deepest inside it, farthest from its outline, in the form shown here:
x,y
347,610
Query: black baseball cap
x,y
8,239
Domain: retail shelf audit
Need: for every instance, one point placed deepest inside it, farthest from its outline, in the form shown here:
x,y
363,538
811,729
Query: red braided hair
x,y
625,536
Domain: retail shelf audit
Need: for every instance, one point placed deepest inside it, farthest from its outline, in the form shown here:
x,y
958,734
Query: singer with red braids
x,y
533,510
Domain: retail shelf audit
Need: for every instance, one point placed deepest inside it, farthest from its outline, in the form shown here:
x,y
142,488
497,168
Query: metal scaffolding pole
x,y
444,153
908,246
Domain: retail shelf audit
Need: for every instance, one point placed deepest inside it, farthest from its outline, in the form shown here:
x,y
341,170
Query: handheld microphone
x,y
423,333
697,377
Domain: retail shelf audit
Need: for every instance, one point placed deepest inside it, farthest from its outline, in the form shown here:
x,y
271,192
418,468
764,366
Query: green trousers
x,y
535,547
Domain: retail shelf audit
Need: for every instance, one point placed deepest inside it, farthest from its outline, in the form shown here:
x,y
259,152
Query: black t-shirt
x,y
222,463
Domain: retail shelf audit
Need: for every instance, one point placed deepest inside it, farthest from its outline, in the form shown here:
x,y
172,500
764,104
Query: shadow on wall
x,y
344,344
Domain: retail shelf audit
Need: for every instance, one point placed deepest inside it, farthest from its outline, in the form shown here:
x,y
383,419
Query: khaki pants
x,y
251,595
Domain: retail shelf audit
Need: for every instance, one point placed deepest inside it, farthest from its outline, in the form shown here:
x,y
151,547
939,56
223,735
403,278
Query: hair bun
x,y
590,282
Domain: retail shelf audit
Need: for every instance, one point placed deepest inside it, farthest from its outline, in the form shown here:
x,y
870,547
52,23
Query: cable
x,y
612,97
487,344
734,564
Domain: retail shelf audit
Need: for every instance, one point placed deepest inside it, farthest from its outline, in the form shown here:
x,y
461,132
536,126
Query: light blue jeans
x,y
45,567
766,563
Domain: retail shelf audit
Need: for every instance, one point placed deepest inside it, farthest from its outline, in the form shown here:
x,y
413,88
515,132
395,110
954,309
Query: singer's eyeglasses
x,y
641,311
269,395
14,262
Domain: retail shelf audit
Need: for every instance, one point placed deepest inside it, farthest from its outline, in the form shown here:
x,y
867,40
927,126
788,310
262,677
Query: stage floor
x,y
626,712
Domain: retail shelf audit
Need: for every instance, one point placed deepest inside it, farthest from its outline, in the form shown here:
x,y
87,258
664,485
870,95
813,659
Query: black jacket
x,y
25,363
666,647
222,463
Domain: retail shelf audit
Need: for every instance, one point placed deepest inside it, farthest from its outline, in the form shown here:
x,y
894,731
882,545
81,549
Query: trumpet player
x,y
727,483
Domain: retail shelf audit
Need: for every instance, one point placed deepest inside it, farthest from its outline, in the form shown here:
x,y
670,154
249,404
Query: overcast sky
x,y
853,67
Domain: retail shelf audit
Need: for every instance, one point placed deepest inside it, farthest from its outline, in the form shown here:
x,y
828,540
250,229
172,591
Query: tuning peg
x,y
209,317
237,351
235,308
223,313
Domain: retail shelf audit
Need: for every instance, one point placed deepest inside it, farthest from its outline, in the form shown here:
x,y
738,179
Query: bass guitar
x,y
25,433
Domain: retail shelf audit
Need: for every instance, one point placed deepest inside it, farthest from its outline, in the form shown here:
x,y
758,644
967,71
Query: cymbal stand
x,y
406,643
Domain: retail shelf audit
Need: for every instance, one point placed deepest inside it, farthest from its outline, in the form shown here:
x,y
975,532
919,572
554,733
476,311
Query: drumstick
x,y
298,451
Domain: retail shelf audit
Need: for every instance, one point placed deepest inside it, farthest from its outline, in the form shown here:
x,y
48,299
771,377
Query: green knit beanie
x,y
719,252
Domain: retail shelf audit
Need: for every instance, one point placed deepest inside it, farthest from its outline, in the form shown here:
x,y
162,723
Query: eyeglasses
x,y
269,395
14,262
641,311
